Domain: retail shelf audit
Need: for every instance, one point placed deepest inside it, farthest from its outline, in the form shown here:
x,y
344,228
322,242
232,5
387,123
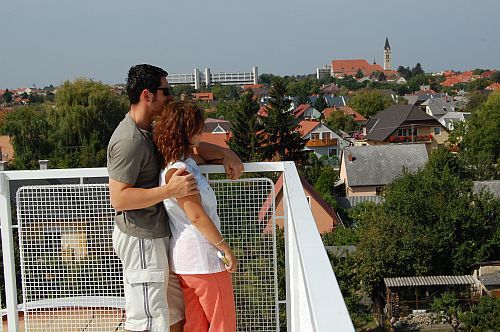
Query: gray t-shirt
x,y
133,159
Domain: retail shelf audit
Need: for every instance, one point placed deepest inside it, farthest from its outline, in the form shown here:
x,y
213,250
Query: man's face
x,y
161,97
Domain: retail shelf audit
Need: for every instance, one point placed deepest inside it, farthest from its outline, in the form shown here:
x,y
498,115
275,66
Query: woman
x,y
196,238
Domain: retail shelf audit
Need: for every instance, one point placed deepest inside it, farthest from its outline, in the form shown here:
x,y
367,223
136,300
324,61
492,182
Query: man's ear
x,y
146,95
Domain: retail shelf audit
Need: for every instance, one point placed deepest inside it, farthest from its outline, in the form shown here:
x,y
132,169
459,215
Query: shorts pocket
x,y
143,276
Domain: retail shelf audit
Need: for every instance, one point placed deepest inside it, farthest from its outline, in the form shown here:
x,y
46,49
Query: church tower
x,y
387,55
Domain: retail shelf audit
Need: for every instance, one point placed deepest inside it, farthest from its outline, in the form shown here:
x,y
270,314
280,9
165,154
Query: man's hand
x,y
181,184
232,164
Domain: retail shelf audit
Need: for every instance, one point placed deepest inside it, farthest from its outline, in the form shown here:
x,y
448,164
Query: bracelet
x,y
219,242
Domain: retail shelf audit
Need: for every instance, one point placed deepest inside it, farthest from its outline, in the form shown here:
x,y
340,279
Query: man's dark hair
x,y
142,77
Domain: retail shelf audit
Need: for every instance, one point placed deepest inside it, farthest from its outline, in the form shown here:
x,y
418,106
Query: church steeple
x,y
387,55
387,46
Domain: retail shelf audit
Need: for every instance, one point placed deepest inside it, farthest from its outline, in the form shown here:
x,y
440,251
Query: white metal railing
x,y
313,298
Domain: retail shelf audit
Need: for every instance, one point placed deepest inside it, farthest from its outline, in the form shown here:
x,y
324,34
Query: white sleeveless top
x,y
190,252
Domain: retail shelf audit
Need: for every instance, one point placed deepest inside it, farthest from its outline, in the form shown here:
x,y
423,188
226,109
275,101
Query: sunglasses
x,y
167,91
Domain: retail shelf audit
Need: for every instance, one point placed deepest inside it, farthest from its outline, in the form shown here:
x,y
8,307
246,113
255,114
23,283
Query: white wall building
x,y
199,79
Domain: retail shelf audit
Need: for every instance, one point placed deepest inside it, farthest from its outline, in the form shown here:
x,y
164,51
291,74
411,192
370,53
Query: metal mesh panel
x,y
71,276
72,280
246,209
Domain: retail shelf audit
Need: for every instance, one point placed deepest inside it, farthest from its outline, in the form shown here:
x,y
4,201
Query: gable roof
x,y
212,124
297,112
381,125
306,126
329,88
351,67
381,164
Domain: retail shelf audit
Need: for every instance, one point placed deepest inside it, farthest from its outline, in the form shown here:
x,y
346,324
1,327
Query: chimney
x,y
44,164
2,165
349,157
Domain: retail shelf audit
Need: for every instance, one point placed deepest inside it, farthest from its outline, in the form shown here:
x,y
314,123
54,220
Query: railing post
x,y
8,255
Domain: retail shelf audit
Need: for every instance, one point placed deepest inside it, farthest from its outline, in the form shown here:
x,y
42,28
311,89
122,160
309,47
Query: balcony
x,y
411,139
71,279
316,142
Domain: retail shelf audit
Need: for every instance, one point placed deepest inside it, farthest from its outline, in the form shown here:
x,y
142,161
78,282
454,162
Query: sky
x,y
51,41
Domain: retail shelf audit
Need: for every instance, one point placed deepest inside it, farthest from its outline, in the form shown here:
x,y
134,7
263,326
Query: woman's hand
x,y
233,262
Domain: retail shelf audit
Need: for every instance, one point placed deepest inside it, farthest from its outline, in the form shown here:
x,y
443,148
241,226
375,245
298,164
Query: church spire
x,y
387,46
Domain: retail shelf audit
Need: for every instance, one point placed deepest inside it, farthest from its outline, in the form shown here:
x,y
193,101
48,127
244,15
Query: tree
x,y
186,89
225,110
359,74
338,121
417,70
448,308
320,103
29,132
477,139
477,85
495,77
226,92
325,184
483,316
370,102
405,72
282,139
7,96
246,129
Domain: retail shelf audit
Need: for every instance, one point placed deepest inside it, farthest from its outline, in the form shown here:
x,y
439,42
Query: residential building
x,y
216,131
437,107
365,170
493,87
321,140
450,119
205,96
306,111
358,118
404,124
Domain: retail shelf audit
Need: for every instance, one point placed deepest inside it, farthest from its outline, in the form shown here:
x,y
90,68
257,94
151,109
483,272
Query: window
x,y
332,152
315,136
326,135
308,200
437,130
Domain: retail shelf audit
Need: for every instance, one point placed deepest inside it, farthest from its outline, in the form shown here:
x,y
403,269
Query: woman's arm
x,y
196,213
216,154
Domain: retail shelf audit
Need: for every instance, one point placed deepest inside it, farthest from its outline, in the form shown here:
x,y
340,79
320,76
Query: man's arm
x,y
216,154
125,197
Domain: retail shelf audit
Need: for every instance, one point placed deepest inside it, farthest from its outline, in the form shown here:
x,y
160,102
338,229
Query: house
x,y
404,124
6,148
324,215
329,89
343,68
321,140
449,119
487,278
365,170
217,132
437,107
306,111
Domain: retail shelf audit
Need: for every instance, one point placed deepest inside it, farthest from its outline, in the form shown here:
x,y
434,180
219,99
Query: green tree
x,y
320,103
477,85
448,308
7,96
226,92
186,89
29,133
359,74
370,102
282,139
325,184
225,110
484,316
338,121
246,129
495,77
478,140
475,100
417,70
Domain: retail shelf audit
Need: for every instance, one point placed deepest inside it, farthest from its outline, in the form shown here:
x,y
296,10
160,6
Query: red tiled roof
x,y
217,139
306,126
262,112
346,110
328,111
300,110
493,87
253,86
351,67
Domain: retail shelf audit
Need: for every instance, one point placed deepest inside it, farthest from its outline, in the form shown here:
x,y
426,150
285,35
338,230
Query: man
x,y
141,235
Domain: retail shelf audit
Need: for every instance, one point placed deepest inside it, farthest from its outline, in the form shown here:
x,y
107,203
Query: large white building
x,y
206,78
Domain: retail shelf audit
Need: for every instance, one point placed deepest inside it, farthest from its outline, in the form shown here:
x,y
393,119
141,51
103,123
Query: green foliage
x,y
225,110
475,100
226,92
495,77
340,236
72,132
180,89
320,103
350,83
339,121
359,74
479,141
370,102
448,308
484,316
246,129
29,132
7,97
313,167
302,89
282,140
477,85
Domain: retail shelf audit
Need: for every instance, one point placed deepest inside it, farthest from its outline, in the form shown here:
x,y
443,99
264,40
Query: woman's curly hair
x,y
175,126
